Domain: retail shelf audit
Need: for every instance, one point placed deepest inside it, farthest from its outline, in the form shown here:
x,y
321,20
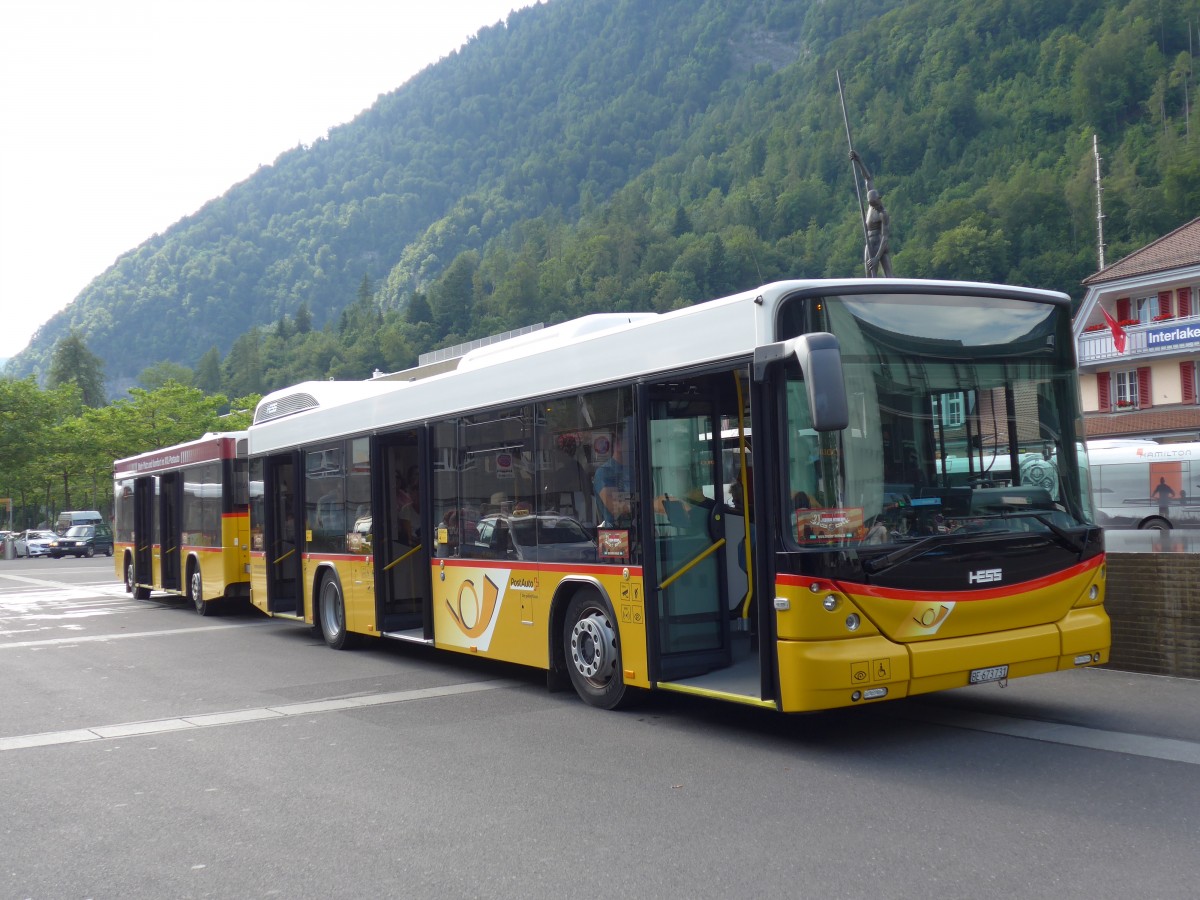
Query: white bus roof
x,y
579,355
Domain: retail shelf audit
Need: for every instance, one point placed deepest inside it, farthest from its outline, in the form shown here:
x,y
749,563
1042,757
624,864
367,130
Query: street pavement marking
x,y
1169,749
113,586
103,638
238,716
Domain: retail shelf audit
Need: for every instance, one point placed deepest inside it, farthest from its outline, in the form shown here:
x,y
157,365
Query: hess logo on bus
x,y
984,576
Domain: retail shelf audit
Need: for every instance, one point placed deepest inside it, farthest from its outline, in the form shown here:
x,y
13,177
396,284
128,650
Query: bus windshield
x,y
964,418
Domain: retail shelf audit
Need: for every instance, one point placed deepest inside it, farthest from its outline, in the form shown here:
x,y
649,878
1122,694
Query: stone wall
x,y
1153,600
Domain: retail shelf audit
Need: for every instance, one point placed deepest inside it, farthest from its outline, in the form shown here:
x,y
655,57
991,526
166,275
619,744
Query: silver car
x,y
34,543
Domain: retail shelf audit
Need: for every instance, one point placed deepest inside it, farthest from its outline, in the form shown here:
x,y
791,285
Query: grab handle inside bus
x,y
820,359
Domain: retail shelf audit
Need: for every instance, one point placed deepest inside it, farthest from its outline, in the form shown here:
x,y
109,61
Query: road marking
x,y
46,582
238,716
1169,749
102,638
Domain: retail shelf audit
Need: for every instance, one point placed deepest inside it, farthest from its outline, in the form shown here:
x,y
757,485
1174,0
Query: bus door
x,y
692,594
144,490
404,591
282,536
170,496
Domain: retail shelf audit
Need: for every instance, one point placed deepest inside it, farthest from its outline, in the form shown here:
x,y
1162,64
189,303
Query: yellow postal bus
x,y
181,522
749,499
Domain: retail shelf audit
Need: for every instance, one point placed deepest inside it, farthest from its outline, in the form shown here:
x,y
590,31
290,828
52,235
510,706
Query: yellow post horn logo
x,y
470,616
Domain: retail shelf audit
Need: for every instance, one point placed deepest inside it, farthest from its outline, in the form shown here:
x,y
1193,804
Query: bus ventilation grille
x,y
284,406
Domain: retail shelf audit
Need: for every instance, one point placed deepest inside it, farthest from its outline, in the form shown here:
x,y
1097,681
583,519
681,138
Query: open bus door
x,y
170,497
404,593
282,536
698,585
144,491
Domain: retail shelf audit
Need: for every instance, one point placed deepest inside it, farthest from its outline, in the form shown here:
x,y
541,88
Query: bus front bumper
x,y
815,675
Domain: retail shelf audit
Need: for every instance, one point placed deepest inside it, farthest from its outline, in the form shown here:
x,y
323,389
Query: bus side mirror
x,y
820,359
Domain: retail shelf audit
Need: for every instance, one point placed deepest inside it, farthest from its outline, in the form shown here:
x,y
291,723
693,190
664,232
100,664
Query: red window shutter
x,y
1122,309
1144,395
1187,378
1104,391
1164,303
1184,301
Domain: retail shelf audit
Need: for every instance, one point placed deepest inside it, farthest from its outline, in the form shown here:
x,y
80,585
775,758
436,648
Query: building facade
x,y
1137,339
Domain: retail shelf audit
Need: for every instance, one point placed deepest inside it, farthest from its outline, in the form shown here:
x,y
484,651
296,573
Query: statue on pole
x,y
877,254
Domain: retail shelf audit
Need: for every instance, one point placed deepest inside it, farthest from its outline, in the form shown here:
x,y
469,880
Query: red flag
x,y
1118,332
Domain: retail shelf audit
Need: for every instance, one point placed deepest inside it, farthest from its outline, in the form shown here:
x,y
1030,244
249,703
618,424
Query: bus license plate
x,y
984,676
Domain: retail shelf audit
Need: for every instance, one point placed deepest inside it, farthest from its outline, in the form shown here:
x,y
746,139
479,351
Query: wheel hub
x,y
593,646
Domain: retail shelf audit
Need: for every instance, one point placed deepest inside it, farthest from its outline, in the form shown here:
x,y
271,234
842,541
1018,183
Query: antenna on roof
x,y
1099,203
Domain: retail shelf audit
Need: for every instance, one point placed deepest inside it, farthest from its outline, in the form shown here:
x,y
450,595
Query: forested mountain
x,y
596,155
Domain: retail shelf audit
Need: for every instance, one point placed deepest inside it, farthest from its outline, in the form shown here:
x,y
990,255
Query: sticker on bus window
x,y
614,543
840,524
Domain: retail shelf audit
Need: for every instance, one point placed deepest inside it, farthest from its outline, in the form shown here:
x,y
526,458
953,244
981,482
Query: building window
x,y
1147,309
1126,394
951,409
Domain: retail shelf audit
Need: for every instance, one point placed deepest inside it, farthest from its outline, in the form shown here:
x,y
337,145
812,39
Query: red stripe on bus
x,y
991,593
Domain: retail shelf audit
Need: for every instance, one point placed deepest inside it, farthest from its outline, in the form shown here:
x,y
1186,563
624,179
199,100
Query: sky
x,y
118,118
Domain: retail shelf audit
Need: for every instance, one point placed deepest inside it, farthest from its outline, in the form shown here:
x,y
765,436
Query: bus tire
x,y
332,613
128,574
1155,523
196,591
591,651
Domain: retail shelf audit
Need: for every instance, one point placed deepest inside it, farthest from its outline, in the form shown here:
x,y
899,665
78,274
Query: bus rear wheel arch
x,y
592,652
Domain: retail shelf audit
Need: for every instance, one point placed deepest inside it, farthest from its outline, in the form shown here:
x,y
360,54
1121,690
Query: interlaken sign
x,y
1172,334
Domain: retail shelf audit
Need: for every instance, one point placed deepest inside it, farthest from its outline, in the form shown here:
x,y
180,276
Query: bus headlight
x,y
831,603
852,622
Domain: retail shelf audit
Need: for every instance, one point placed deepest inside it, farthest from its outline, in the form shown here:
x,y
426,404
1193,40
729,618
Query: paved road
x,y
146,752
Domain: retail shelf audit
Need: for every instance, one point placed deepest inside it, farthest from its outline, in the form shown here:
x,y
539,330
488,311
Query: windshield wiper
x,y
1064,537
881,563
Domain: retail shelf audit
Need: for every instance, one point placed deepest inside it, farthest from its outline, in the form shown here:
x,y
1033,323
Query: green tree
x,y
303,319
74,363
155,376
149,420
242,371
418,309
207,376
452,299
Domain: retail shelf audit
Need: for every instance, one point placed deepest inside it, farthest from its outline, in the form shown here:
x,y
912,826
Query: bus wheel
x,y
333,613
128,575
593,658
196,592
1155,524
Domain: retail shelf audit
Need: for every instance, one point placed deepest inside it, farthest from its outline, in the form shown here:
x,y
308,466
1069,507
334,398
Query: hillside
x,y
622,154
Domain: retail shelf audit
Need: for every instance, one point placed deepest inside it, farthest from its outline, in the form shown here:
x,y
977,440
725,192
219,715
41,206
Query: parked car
x,y
72,517
34,543
83,540
548,538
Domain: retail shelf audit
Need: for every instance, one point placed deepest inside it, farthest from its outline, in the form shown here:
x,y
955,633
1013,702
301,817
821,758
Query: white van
x,y
70,517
